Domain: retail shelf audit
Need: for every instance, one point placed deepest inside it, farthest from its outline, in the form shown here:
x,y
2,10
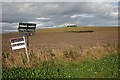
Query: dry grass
x,y
52,55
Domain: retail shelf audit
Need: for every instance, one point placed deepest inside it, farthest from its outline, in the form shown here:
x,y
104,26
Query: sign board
x,y
26,29
18,43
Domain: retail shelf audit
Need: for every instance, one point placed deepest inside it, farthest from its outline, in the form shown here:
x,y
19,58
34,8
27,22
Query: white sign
x,y
18,43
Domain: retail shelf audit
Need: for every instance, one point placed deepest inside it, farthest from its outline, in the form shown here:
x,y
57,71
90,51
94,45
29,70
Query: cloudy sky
x,y
58,14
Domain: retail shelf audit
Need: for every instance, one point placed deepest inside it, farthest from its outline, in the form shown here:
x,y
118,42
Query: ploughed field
x,y
61,38
81,52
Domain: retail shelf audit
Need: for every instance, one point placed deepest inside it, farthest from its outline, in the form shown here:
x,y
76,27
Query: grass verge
x,y
105,67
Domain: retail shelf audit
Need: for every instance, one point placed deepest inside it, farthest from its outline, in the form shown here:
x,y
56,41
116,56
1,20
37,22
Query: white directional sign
x,y
18,43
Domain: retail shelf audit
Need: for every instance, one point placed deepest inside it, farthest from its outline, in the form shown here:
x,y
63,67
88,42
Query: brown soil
x,y
58,40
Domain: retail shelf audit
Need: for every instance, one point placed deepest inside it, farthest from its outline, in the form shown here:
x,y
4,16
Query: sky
x,y
58,14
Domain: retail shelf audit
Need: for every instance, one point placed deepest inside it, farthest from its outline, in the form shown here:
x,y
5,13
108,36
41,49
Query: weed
x,y
72,54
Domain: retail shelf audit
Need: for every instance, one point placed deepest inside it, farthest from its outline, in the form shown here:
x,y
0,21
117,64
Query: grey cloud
x,y
54,14
60,1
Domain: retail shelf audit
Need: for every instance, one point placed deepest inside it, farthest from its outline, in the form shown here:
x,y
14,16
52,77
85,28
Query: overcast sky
x,y
58,14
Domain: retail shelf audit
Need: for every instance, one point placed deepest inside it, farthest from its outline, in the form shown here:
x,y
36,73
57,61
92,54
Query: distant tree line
x,y
72,26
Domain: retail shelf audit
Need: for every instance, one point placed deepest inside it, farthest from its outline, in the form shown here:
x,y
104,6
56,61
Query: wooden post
x,y
26,50
27,40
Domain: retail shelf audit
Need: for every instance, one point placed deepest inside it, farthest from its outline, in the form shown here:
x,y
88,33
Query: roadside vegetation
x,y
96,62
106,67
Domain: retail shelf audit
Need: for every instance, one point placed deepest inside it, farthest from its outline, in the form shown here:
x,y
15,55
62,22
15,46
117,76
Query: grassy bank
x,y
106,67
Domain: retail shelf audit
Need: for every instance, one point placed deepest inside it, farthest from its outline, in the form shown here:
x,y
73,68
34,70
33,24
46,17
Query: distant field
x,y
60,37
59,46
63,29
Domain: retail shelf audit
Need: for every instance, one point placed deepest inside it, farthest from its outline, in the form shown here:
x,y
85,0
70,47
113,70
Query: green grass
x,y
106,67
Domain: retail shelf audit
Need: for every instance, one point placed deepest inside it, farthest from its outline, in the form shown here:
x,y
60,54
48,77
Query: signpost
x,y
18,43
25,30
